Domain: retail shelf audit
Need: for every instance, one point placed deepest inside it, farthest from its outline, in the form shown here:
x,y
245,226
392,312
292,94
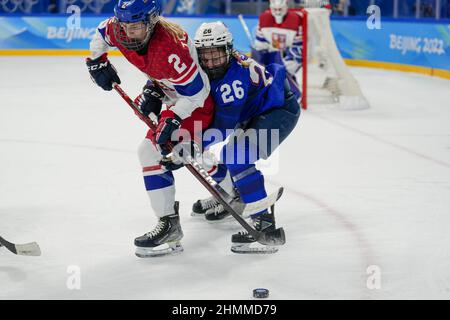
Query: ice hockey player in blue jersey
x,y
249,99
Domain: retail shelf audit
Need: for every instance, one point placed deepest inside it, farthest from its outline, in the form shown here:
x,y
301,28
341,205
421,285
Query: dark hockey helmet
x,y
134,22
214,45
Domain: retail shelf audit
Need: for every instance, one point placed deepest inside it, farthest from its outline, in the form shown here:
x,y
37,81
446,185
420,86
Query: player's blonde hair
x,y
236,54
175,30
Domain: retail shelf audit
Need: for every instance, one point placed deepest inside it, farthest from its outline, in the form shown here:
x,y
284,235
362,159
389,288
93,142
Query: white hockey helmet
x,y
214,44
279,9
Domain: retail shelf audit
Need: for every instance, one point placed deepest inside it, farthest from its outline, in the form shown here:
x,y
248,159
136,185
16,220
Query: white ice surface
x,y
363,188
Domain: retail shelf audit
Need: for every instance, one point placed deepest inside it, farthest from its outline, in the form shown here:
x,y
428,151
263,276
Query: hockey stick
x,y
27,249
275,237
247,31
244,209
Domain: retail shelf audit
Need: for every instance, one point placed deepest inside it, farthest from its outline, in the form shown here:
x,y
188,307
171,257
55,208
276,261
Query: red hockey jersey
x,y
172,62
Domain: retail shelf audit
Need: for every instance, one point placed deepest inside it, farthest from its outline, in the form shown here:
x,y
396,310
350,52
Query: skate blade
x,y
253,248
227,218
161,250
197,215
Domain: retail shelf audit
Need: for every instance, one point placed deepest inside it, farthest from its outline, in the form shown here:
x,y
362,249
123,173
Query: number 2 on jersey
x,y
229,93
175,60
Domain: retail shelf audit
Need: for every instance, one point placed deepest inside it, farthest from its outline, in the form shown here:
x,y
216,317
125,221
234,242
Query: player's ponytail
x,y
238,57
174,29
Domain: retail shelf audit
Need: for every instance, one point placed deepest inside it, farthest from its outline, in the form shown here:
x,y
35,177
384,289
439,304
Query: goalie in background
x,y
257,100
279,39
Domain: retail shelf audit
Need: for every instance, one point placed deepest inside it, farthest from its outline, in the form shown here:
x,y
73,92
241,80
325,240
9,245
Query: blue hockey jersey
x,y
247,90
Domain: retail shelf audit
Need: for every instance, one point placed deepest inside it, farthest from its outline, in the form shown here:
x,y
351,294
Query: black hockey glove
x,y
102,72
150,100
168,123
171,165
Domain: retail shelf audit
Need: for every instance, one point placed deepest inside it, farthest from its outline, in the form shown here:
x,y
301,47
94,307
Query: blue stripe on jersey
x,y
191,88
103,33
158,181
262,39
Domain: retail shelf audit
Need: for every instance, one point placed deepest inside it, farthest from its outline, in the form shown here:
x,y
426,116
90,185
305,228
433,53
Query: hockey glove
x,y
177,159
150,100
168,123
170,165
102,72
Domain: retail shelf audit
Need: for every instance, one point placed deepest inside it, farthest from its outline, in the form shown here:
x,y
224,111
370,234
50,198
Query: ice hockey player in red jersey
x,y
167,56
279,38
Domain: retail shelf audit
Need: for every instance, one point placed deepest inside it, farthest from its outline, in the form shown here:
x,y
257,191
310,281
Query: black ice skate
x,y
164,239
211,209
217,214
201,206
243,242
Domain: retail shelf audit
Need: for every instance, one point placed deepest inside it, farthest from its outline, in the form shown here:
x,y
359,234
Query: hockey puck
x,y
260,293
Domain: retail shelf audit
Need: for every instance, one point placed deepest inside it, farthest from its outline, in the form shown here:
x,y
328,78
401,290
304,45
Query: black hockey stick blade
x,y
273,238
26,249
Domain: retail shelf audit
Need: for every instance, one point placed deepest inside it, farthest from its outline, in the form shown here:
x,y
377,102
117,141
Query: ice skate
x,y
243,242
164,239
211,209
200,207
217,214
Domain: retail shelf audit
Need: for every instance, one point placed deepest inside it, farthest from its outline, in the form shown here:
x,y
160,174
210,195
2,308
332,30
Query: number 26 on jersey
x,y
232,92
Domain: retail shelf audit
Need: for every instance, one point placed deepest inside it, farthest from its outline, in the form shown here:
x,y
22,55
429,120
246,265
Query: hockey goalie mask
x,y
134,22
214,45
279,8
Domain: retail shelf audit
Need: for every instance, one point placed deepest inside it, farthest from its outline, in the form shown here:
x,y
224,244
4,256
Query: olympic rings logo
x,y
26,6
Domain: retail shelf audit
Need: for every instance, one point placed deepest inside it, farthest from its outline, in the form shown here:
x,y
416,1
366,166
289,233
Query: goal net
x,y
326,79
